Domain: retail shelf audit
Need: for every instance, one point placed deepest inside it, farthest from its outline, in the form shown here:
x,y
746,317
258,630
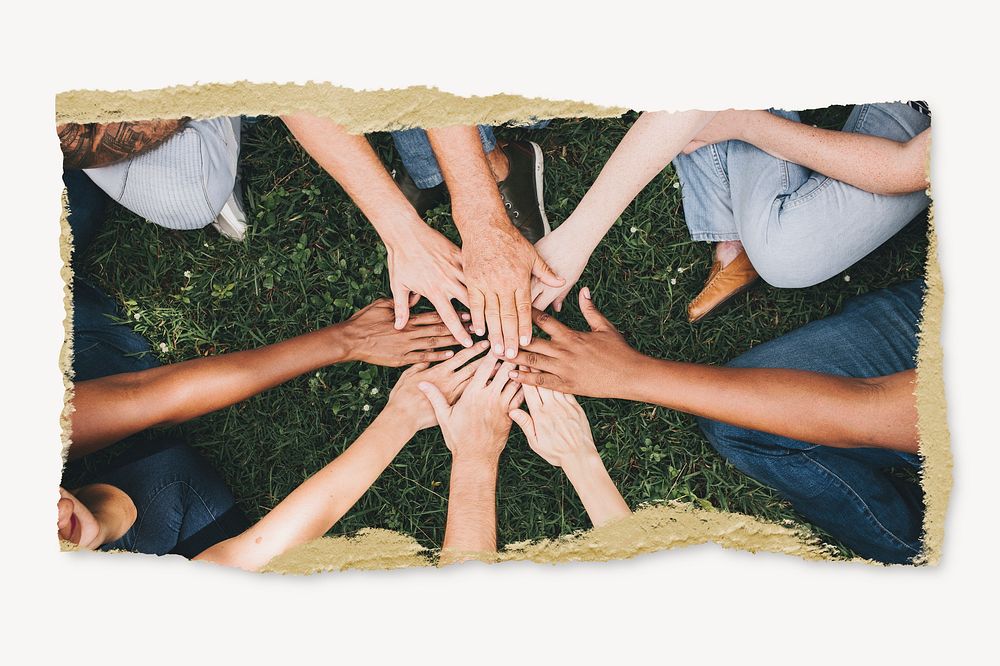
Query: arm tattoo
x,y
95,145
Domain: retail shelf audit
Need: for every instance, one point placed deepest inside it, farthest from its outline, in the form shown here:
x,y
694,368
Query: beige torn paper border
x,y
652,528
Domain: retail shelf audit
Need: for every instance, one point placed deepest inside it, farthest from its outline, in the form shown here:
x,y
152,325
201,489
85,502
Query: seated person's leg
x,y
87,206
101,345
183,506
800,227
187,182
847,492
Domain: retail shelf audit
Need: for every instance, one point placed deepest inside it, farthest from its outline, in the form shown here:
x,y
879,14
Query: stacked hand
x,y
594,364
372,337
499,265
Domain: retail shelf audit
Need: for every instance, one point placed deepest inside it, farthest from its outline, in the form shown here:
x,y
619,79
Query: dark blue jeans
x,y
850,493
183,504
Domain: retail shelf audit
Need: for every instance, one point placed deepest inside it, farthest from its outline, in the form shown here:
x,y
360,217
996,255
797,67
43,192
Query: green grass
x,y
311,259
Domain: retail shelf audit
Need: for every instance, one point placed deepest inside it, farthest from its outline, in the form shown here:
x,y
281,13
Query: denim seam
x,y
138,527
795,203
864,504
717,163
713,237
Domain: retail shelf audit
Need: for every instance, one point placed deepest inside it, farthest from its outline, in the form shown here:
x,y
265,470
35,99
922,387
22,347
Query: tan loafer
x,y
722,285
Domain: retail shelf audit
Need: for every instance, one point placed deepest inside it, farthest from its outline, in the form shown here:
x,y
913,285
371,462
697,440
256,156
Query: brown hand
x,y
595,364
372,337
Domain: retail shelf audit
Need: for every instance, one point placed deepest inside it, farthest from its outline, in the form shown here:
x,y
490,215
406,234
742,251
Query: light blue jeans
x,y
798,226
418,159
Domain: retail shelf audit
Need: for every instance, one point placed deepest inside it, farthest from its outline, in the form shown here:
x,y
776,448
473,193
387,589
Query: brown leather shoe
x,y
722,284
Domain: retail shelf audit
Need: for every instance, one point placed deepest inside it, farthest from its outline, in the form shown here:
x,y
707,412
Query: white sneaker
x,y
231,221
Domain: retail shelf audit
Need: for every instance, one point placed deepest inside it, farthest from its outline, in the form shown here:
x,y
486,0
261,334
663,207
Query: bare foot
x,y
726,251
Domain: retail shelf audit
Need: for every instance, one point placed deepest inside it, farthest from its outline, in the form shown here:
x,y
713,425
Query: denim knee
x,y
790,265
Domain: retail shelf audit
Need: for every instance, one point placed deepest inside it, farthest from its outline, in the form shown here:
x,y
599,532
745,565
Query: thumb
x,y
440,404
401,305
548,276
595,319
527,426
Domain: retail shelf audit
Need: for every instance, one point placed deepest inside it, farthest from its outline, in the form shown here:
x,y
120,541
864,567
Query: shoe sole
x,y
723,304
540,185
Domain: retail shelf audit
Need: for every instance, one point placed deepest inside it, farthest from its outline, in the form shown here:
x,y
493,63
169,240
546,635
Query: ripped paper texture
x,y
649,529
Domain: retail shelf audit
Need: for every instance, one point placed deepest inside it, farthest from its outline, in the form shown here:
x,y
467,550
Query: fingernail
x,y
511,352
423,386
586,292
480,331
399,323
449,354
498,349
513,374
525,339
467,342
483,344
465,316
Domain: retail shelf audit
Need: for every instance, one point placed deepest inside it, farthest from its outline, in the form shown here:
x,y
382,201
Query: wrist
x,y
479,458
398,228
340,344
582,464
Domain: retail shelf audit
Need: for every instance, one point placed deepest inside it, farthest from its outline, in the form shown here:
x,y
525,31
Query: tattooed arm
x,y
97,145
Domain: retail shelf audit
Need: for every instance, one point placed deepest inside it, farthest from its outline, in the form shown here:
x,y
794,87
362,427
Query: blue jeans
x,y
850,493
798,226
418,159
183,504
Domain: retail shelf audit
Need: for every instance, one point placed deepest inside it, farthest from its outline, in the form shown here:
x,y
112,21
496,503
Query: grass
x,y
311,259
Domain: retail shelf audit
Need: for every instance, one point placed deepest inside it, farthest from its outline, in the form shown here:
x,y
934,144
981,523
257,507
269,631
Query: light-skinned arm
x,y
475,429
558,431
109,409
314,507
871,163
809,406
420,260
651,143
498,262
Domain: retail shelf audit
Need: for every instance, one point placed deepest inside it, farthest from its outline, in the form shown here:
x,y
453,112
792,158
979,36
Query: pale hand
x,y
557,428
567,257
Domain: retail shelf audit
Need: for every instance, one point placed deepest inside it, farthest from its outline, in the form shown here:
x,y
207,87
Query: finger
x,y
427,356
401,303
548,396
495,330
459,292
522,305
548,276
502,377
544,347
508,393
558,303
484,370
527,426
418,333
509,324
426,319
552,326
452,321
477,307
440,404
414,369
571,399
414,299
518,399
536,361
538,379
533,399
597,321
466,355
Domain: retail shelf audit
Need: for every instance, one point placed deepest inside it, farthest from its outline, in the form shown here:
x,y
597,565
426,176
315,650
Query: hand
x,y
557,428
596,364
724,126
452,376
429,265
567,257
372,338
476,426
499,264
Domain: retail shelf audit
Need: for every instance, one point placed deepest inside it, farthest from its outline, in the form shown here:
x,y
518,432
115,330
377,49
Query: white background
x,y
701,603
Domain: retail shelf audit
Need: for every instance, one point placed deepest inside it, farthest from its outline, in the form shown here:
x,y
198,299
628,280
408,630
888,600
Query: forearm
x,y
870,163
808,406
472,524
96,145
323,499
109,409
352,162
475,199
652,142
597,491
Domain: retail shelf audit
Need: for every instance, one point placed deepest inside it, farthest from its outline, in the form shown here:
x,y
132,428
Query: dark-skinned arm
x,y
109,409
809,406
